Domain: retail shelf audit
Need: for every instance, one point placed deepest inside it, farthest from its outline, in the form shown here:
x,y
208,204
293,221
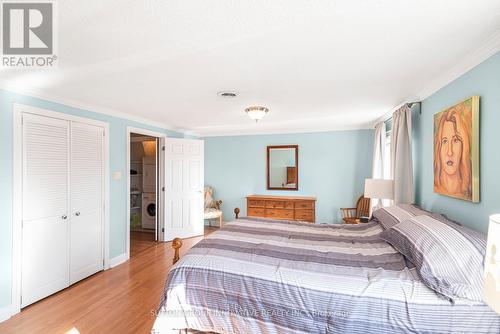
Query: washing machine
x,y
149,211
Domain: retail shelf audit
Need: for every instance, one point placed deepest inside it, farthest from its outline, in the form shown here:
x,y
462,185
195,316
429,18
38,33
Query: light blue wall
x,y
483,80
118,189
332,167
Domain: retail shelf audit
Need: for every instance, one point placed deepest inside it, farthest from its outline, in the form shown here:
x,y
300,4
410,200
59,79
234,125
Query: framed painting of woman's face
x,y
456,151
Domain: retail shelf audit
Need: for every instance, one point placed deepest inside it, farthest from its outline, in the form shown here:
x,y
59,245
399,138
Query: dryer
x,y
149,174
149,211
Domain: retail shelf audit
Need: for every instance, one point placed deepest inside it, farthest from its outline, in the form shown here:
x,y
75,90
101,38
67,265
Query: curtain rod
x,y
410,104
388,115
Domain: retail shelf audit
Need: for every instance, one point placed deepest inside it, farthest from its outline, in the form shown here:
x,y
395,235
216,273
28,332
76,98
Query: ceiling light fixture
x,y
256,112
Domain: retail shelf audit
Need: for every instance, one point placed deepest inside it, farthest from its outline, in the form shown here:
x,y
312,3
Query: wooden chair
x,y
212,207
353,215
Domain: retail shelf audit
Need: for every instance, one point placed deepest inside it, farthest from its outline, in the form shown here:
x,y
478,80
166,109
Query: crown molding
x,y
487,49
88,107
227,132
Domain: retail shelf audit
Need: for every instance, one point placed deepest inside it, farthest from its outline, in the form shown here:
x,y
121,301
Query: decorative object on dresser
x,y
291,175
358,214
283,167
378,189
282,207
492,265
212,207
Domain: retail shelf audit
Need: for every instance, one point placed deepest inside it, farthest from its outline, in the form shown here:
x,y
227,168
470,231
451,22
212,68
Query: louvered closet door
x,y
45,245
87,200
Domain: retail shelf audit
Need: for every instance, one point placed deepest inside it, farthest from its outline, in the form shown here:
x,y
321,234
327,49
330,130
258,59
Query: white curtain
x,y
401,155
378,156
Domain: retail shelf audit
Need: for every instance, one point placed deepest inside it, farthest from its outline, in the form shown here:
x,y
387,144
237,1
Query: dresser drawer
x,y
256,203
279,214
305,215
256,212
275,204
300,208
309,205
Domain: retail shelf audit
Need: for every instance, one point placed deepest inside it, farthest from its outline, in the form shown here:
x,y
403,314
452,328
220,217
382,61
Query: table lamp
x,y
379,189
492,265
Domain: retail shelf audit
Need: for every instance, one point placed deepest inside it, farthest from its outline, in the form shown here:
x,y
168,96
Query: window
x,y
387,151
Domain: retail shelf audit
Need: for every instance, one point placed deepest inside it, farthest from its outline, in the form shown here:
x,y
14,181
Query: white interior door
x,y
45,214
87,200
160,196
184,180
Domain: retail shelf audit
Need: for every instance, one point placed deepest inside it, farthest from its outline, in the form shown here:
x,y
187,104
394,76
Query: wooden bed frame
x,y
177,242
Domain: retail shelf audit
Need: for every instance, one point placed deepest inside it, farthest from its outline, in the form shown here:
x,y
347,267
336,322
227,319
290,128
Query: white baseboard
x,y
118,260
5,313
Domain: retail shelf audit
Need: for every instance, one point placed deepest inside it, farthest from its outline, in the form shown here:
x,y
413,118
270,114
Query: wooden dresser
x,y
282,207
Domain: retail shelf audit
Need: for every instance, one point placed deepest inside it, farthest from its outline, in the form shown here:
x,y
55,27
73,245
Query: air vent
x,y
227,95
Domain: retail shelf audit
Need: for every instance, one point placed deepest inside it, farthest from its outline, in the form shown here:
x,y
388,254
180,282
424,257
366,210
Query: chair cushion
x,y
212,213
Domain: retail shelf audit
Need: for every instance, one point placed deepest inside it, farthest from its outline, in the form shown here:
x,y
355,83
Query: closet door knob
x,y
64,217
77,213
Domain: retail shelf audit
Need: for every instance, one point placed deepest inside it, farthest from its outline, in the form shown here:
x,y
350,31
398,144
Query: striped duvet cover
x,y
264,276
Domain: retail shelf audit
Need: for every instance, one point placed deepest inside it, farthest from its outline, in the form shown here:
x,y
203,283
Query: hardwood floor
x,y
119,300
140,241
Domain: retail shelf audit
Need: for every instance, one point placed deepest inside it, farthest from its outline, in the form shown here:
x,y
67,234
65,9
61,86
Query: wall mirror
x,y
283,167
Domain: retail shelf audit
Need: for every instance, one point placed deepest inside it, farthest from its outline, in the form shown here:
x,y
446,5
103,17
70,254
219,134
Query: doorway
x,y
178,191
144,179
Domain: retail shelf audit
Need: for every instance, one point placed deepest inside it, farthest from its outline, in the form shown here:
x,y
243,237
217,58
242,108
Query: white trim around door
x,y
160,182
18,110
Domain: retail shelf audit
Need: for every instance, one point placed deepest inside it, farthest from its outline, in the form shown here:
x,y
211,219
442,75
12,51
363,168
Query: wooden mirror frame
x,y
269,148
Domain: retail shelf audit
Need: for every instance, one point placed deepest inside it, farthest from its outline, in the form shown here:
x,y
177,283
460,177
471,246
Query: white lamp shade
x,y
492,265
256,112
379,189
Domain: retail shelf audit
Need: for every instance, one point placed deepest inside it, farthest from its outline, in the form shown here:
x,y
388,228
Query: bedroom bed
x,y
267,276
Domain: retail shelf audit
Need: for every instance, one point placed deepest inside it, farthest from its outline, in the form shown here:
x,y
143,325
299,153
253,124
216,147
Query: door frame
x,y
17,196
161,173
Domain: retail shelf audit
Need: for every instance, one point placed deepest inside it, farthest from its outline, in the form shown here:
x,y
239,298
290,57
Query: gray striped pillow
x,y
395,214
449,257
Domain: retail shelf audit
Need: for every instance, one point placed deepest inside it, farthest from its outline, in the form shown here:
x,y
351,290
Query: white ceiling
x,y
317,65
